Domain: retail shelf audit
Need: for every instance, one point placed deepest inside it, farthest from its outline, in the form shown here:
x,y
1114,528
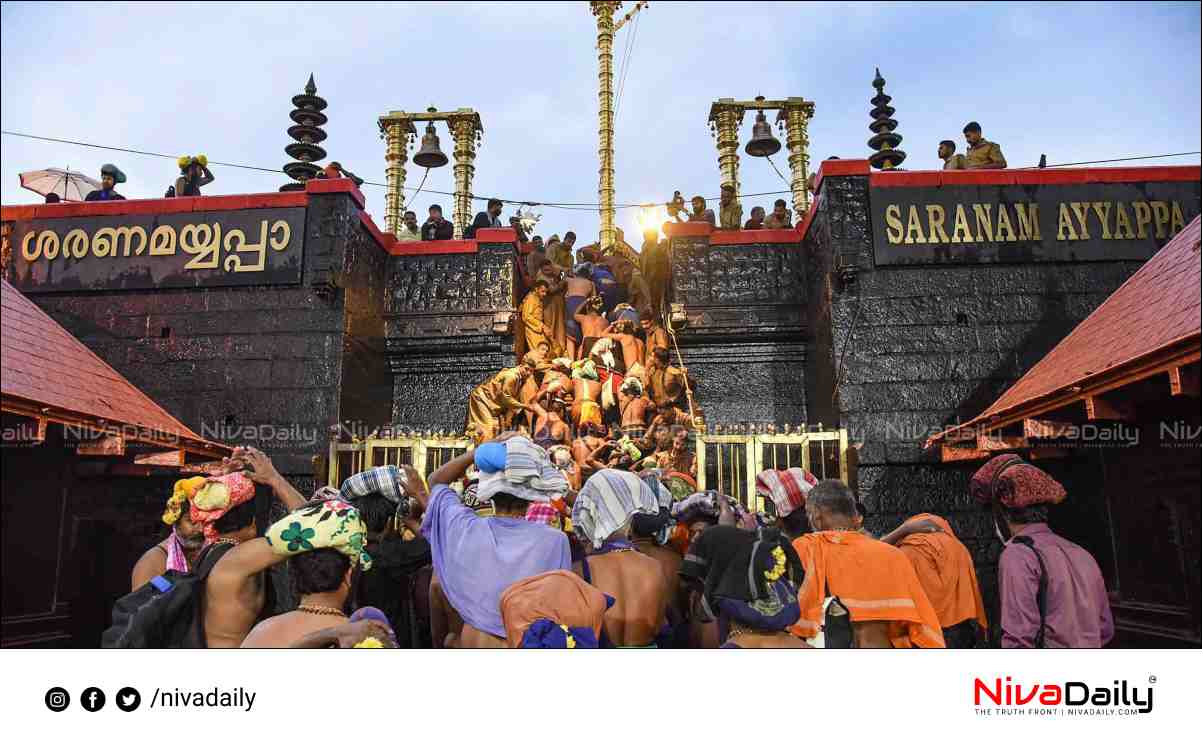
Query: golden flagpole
x,y
604,11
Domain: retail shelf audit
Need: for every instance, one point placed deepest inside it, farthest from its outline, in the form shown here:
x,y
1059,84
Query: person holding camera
x,y
437,228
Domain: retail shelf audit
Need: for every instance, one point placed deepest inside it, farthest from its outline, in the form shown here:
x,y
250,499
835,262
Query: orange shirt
x,y
873,579
945,570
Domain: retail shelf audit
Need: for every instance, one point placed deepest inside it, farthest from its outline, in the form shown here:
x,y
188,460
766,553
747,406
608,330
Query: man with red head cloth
x,y
1052,590
787,489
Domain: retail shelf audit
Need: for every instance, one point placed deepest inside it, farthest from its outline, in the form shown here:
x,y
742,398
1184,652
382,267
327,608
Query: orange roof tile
x,y
1152,310
41,363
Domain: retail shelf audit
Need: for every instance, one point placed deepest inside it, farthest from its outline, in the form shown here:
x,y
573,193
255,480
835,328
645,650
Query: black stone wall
x,y
447,317
745,341
906,351
271,366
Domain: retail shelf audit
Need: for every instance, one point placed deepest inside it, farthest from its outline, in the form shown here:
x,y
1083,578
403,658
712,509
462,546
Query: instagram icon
x,y
57,699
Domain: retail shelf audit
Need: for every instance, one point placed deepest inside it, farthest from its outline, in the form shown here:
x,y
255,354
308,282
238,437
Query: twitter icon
x,y
128,699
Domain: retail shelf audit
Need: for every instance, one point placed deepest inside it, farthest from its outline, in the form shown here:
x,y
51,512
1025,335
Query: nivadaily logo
x,y
1065,697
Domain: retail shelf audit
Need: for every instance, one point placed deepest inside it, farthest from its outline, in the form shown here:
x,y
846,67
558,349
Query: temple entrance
x,y
728,463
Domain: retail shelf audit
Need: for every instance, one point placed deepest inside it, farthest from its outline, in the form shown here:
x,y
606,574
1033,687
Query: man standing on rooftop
x,y
982,154
730,211
951,160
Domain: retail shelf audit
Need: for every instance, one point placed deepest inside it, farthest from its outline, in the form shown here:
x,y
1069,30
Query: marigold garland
x,y
778,554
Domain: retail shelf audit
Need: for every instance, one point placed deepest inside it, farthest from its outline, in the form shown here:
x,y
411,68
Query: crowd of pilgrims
x,y
497,549
575,521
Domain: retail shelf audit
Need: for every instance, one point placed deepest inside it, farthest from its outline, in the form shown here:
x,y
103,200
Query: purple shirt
x,y
1078,610
477,558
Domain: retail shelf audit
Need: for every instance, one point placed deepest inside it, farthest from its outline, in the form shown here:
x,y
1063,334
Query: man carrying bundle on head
x,y
384,497
586,393
601,518
236,591
1053,593
623,330
181,547
787,489
635,408
476,559
324,543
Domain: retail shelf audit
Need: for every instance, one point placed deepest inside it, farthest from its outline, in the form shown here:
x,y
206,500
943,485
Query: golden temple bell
x,y
762,142
431,156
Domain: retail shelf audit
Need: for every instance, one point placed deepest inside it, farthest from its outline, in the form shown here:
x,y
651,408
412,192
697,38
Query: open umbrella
x,y
69,185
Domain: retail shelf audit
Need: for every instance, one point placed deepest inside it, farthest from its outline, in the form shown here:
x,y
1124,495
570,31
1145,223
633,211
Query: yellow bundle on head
x,y
214,496
185,161
182,493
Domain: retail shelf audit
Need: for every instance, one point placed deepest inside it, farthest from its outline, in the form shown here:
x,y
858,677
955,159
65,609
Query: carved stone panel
x,y
736,274
452,282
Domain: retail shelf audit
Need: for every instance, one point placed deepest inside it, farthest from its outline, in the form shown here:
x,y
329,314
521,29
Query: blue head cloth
x,y
490,457
545,634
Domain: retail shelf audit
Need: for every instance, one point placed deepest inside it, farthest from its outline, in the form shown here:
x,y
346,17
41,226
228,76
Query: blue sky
x,y
1079,82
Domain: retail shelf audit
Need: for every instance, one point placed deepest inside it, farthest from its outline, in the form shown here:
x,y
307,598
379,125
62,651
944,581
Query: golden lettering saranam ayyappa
x,y
1019,222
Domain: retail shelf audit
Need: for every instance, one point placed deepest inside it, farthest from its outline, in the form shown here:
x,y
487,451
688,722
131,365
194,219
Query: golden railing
x,y
725,462
425,454
729,463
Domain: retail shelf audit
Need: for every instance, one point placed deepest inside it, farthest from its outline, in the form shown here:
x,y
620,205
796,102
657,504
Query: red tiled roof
x,y
1153,310
45,367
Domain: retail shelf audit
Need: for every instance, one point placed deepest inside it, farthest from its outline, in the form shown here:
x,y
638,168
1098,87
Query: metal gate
x,y
729,463
424,454
725,462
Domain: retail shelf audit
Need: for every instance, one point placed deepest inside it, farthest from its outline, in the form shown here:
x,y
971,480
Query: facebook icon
x,y
92,699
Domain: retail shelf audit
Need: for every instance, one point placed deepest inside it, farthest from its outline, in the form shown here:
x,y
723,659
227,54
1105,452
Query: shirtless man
x,y
623,333
188,536
550,428
678,458
234,594
154,561
665,383
321,579
557,381
613,565
586,396
477,558
592,322
579,289
635,408
589,439
643,529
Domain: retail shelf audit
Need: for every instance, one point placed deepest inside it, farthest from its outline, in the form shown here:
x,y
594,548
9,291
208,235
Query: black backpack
x,y
166,612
